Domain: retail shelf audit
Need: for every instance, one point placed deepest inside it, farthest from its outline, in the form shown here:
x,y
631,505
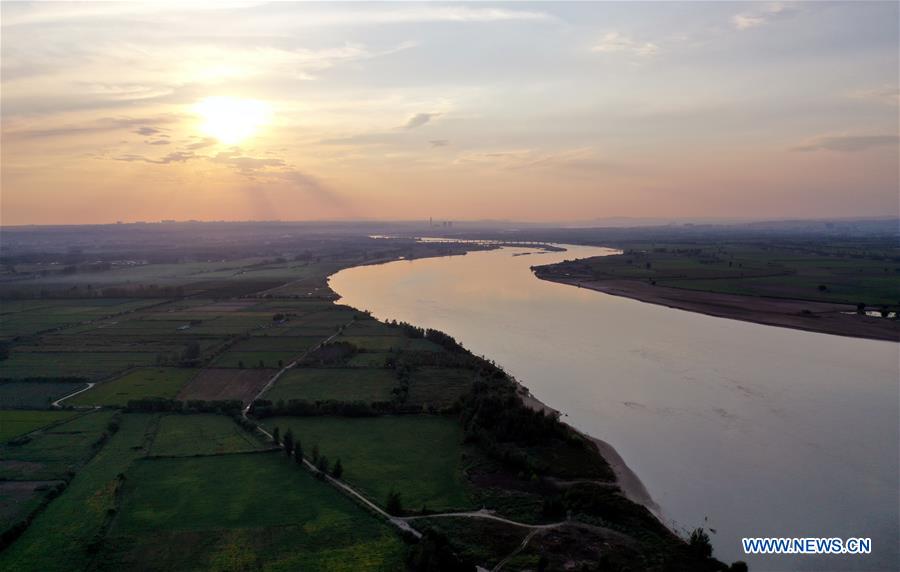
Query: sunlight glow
x,y
232,120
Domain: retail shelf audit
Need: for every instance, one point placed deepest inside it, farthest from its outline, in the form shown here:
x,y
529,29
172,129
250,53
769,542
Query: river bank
x,y
626,479
821,317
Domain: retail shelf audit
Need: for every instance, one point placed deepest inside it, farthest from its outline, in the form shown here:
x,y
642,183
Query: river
x,y
745,429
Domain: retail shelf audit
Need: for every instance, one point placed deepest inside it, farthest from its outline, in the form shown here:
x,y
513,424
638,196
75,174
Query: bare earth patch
x,y
225,383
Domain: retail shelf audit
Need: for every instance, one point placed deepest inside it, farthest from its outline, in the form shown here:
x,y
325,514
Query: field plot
x,y
49,454
90,365
376,343
417,456
259,359
160,382
480,540
256,511
214,384
34,394
371,327
438,386
181,435
264,343
338,384
15,423
18,498
27,317
369,359
60,538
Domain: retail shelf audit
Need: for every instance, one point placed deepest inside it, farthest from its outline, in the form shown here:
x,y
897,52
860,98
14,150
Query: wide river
x,y
744,429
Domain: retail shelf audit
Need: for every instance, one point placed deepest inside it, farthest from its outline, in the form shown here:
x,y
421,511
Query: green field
x,y
61,537
15,423
265,343
256,511
181,435
20,498
438,386
92,365
418,456
250,360
49,454
34,394
163,383
27,317
338,384
819,271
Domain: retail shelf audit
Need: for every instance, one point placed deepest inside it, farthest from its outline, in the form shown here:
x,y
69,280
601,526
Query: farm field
x,y
338,384
15,423
203,434
217,384
438,386
19,498
89,365
255,359
34,394
314,526
418,456
51,453
815,272
28,317
145,383
60,539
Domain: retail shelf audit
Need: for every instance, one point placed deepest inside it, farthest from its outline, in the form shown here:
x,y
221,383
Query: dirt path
x,y
518,549
489,515
291,365
73,394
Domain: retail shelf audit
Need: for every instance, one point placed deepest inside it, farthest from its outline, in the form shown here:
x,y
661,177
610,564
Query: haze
x,y
529,111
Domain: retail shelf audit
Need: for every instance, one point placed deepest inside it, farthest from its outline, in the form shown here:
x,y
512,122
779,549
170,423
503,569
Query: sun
x,y
231,120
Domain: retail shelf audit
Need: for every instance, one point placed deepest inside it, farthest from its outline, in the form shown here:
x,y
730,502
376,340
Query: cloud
x,y
579,160
887,94
157,142
105,124
419,119
762,15
245,165
614,42
439,142
849,143
49,12
147,131
174,157
203,142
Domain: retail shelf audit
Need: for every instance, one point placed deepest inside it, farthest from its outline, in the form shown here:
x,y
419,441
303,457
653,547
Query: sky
x,y
518,111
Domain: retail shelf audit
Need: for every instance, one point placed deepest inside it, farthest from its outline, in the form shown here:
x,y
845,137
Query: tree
x,y
337,470
315,453
241,364
191,352
288,442
276,436
298,451
699,543
322,465
394,503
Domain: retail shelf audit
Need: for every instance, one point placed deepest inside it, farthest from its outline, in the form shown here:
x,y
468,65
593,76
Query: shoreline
x,y
819,317
627,480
